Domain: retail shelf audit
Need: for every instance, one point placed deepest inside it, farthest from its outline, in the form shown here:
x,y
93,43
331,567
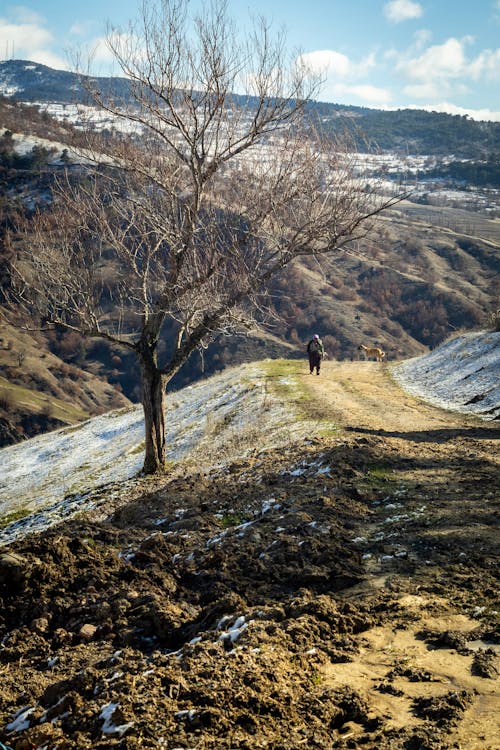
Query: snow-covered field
x,y
463,375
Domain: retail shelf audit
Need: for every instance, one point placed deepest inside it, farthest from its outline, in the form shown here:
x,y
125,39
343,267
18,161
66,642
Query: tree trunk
x,y
153,401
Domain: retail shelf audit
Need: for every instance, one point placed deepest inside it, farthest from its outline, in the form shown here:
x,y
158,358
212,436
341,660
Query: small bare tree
x,y
195,202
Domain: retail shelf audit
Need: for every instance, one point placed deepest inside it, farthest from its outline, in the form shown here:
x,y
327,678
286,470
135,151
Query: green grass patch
x,y
328,431
379,472
228,520
378,475
284,379
13,516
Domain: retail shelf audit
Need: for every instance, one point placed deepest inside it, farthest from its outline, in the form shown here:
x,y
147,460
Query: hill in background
x,y
40,391
430,268
406,130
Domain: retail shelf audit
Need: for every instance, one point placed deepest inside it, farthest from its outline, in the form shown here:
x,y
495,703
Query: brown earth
x,y
340,592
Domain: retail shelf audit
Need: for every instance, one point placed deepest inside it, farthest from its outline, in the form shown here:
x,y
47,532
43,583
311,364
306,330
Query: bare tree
x,y
195,202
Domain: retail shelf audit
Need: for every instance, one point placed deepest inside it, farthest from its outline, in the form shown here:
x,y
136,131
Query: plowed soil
x,y
338,592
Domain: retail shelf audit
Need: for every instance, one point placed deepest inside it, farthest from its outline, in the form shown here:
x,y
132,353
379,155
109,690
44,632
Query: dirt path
x,y
338,592
458,457
363,395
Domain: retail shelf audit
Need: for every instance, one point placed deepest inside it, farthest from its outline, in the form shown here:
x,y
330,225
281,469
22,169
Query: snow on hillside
x,y
463,375
53,475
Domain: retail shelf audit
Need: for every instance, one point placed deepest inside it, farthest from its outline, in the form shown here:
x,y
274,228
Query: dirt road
x,y
336,592
444,519
363,395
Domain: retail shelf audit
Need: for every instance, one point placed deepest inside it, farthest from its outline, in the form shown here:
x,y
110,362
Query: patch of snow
x,y
188,714
461,375
108,727
244,526
44,716
233,633
21,720
7,90
57,464
270,504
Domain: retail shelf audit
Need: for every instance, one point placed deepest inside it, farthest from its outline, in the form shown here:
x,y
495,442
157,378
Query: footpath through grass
x,y
285,379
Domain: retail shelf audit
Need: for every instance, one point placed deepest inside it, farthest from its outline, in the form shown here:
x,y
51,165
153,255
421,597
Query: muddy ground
x,y
341,592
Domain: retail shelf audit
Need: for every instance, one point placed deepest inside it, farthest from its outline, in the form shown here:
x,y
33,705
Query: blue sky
x,y
442,55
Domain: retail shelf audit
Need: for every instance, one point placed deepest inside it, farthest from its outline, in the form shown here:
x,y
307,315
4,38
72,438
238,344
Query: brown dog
x,y
372,351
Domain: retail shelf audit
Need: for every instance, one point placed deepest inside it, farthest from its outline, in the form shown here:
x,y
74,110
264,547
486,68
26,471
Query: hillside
x,y
430,268
40,391
53,475
322,576
408,131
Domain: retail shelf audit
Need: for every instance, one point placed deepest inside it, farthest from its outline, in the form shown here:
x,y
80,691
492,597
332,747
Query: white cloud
x,y
444,60
98,52
339,75
332,64
487,63
446,67
422,37
453,109
372,96
84,29
364,95
327,63
423,91
23,15
397,11
24,36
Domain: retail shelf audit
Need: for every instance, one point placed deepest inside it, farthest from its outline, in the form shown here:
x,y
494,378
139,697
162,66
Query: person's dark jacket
x,y
315,346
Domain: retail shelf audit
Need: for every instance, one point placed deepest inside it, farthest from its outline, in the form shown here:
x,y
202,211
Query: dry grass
x,y
34,382
25,400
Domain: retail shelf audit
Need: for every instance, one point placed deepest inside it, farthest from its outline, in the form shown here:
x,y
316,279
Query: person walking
x,y
315,353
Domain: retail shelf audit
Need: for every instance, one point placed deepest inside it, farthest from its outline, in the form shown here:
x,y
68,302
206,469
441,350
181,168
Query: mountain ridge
x,y
410,130
222,417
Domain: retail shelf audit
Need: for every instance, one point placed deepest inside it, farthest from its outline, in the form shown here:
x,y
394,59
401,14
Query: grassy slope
x,y
34,382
